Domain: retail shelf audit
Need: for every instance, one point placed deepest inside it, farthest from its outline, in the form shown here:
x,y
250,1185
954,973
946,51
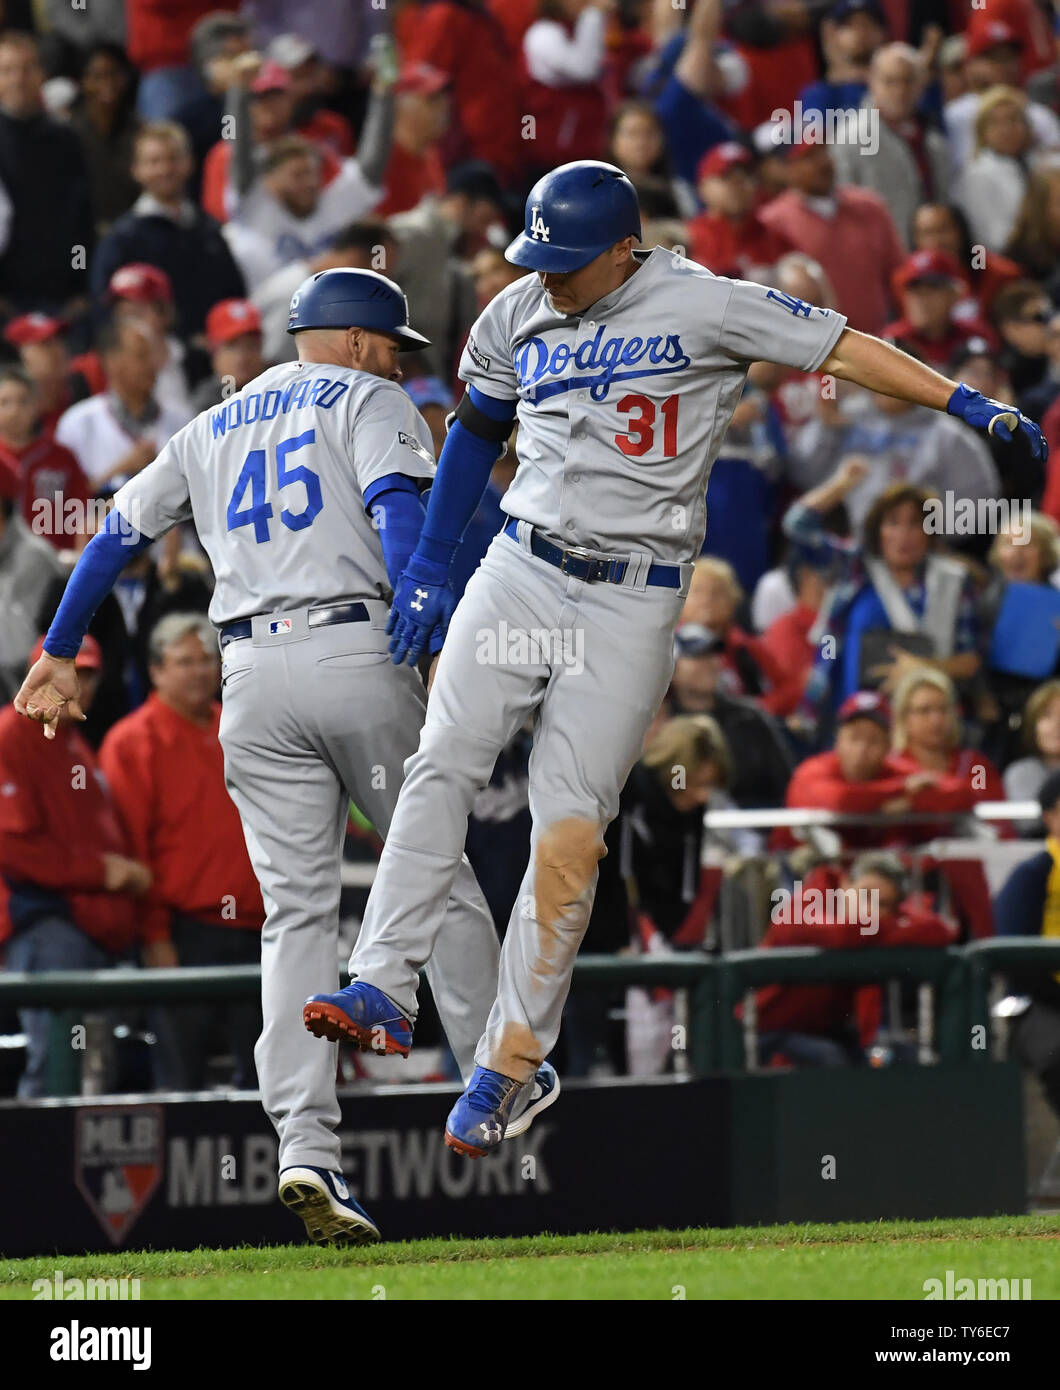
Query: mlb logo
x,y
279,626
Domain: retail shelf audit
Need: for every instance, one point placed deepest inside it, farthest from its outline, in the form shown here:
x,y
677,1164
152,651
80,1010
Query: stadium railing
x,y
953,988
960,978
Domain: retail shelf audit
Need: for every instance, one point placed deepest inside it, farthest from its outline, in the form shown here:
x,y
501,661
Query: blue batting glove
x,y
996,418
423,600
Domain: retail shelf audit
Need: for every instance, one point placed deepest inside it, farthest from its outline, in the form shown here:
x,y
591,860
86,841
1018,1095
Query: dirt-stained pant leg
x,y
616,661
610,663
480,697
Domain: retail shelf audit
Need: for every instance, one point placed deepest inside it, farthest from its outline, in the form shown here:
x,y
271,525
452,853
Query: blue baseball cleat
x,y
477,1122
545,1090
322,1199
360,1014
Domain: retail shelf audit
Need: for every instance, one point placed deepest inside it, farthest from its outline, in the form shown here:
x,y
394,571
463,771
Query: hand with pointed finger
x,y
51,690
996,418
423,601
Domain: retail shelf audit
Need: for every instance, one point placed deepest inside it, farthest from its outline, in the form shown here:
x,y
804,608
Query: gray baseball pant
x,y
594,661
311,719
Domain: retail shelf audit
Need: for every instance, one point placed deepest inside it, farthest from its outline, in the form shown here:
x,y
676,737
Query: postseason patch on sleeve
x,y
411,442
476,356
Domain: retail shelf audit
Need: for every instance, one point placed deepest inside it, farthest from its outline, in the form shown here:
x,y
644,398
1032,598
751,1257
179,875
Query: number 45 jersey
x,y
622,409
273,479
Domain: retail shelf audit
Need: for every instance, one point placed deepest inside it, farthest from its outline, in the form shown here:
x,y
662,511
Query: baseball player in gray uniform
x,y
623,368
279,480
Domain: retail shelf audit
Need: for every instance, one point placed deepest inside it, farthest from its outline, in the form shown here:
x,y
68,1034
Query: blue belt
x,y
318,617
580,564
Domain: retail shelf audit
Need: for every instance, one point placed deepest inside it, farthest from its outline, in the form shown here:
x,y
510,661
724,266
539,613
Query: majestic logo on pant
x,y
417,602
538,229
598,363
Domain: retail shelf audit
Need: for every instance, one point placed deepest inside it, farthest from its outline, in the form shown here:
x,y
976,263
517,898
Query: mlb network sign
x,y
122,1157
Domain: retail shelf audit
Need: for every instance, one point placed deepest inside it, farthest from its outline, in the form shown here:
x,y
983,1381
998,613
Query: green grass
x,y
884,1260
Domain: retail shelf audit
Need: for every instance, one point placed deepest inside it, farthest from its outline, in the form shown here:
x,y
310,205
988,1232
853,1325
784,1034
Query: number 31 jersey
x,y
273,479
622,409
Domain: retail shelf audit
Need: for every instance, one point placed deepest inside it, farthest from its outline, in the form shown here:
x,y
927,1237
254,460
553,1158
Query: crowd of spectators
x,y
874,625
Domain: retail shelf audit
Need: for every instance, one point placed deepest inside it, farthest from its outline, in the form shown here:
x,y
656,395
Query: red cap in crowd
x,y
983,37
427,81
229,319
141,283
929,268
33,328
865,704
730,154
89,655
272,77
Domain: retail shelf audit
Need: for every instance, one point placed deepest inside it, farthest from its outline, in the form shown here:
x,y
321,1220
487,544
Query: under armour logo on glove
x,y
423,603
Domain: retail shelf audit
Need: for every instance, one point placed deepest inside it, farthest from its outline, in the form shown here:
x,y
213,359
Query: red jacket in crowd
x,y
937,352
167,778
49,472
1051,430
787,643
469,45
57,821
970,777
410,178
735,248
827,1009
818,784
858,247
776,76
740,647
514,17
157,32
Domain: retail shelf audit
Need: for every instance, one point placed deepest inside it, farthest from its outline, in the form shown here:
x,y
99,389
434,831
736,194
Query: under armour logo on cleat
x,y
417,602
491,1132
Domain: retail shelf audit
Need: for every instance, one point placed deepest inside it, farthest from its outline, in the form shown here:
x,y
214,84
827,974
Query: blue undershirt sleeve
x,y
103,559
397,511
463,472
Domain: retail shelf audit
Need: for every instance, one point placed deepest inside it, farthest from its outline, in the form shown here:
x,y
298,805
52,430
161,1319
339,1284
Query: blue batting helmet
x,y
354,299
574,214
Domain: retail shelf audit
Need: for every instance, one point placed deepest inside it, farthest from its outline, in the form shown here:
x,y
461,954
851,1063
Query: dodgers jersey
x,y
622,409
273,479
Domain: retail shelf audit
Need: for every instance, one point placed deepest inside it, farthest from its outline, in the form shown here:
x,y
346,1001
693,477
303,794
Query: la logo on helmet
x,y
538,230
